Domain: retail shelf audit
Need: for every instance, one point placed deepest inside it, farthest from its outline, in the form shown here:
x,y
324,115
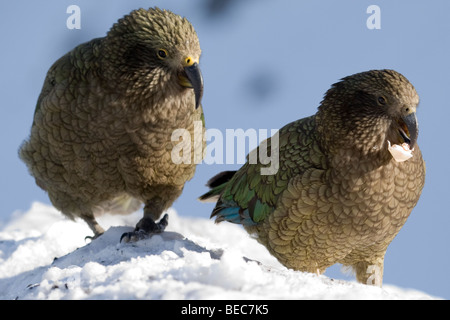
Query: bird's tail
x,y
216,184
226,209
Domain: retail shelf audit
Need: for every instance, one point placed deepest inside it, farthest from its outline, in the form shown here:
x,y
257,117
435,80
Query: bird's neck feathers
x,y
162,109
352,138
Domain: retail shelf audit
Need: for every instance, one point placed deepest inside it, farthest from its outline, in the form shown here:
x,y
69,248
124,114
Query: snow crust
x,y
43,255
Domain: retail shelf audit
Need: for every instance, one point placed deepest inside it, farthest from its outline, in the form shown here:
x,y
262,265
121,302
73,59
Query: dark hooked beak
x,y
409,129
194,80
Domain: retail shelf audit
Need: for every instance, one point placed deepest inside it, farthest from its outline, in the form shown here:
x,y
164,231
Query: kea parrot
x,y
339,195
101,135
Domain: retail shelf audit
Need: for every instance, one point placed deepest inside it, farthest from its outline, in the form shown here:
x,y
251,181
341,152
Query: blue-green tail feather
x,y
225,210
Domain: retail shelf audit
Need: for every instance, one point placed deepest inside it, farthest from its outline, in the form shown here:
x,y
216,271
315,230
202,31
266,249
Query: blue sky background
x,y
265,63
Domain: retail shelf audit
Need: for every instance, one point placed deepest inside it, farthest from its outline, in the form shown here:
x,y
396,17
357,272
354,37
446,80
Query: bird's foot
x,y
145,228
92,238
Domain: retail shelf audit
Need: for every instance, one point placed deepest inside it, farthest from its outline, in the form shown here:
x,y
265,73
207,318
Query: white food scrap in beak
x,y
400,152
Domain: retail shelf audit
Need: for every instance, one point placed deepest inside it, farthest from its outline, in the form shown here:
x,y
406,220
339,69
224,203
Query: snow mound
x,y
45,256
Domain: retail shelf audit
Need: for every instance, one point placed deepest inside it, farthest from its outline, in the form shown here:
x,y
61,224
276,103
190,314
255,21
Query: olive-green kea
x,y
339,195
101,135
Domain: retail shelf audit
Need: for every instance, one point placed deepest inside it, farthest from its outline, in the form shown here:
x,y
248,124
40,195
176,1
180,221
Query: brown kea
x,y
339,196
101,135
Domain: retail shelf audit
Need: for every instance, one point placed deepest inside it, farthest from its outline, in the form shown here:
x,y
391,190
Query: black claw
x,y
145,229
126,234
162,224
134,236
92,238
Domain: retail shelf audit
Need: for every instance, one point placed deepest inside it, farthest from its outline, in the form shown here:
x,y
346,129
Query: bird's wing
x,y
59,71
249,197
64,74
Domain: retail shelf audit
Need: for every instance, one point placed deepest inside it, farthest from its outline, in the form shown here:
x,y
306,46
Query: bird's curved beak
x,y
192,78
409,129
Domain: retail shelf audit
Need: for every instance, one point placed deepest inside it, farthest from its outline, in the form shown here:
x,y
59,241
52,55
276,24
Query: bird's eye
x,y
162,53
382,100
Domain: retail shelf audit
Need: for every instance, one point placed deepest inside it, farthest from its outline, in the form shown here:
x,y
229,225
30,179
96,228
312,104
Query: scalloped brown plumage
x,y
339,196
101,136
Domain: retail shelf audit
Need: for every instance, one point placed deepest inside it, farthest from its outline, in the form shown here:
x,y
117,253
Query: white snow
x,y
45,256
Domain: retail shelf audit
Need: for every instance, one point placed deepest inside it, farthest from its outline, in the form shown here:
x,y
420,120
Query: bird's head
x,y
368,109
154,50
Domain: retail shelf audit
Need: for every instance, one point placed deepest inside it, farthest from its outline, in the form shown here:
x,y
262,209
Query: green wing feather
x,y
248,197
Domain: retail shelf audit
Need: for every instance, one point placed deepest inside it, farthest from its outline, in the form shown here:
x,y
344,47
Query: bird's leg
x,y
93,224
369,273
147,226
